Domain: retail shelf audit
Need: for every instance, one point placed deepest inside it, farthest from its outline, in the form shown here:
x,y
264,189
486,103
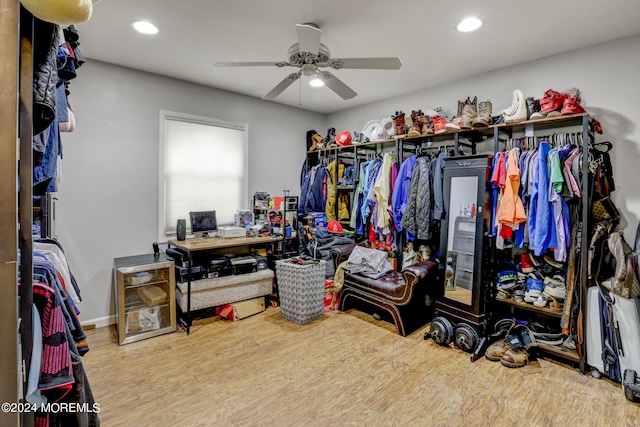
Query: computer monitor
x,y
203,223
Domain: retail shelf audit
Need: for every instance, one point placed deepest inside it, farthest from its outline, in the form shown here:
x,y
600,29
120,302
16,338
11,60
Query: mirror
x,y
461,241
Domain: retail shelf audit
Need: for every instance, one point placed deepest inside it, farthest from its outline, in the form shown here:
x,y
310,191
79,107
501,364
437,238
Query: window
x,y
203,166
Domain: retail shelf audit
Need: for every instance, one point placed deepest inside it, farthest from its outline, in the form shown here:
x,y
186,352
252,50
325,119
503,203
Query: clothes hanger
x,y
606,144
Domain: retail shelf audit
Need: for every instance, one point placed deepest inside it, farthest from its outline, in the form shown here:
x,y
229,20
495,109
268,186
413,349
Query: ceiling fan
x,y
310,56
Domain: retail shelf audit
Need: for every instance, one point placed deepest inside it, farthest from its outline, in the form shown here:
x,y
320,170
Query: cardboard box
x,y
242,309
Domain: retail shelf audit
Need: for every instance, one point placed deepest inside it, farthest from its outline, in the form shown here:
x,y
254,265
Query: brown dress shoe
x,y
496,350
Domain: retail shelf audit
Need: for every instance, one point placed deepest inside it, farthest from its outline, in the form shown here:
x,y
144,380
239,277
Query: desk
x,y
190,246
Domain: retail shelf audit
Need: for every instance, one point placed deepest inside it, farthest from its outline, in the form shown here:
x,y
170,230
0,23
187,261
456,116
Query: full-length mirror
x,y
459,275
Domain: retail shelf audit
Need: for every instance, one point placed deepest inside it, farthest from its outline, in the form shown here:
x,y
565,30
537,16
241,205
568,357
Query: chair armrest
x,y
414,273
341,253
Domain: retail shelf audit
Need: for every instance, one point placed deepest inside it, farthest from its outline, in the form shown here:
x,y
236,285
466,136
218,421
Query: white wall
x,y
607,75
108,194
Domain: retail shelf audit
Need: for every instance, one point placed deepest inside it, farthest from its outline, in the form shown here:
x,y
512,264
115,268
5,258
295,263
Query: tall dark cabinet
x,y
462,311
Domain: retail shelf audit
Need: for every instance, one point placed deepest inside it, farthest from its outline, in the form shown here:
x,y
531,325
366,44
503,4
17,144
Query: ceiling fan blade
x,y
285,83
308,38
366,63
249,64
336,85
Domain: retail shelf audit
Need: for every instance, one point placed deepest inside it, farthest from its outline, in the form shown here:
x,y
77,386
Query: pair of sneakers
x,y
554,103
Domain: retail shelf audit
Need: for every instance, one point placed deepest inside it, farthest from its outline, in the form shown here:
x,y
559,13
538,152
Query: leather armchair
x,y
404,295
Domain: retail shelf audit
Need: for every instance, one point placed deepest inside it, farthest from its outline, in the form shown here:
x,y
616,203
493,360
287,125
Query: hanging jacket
x,y
317,199
511,209
382,191
417,216
542,233
332,180
438,197
357,200
45,74
401,190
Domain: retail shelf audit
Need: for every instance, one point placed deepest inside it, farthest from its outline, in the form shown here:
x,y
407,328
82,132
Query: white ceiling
x,y
194,34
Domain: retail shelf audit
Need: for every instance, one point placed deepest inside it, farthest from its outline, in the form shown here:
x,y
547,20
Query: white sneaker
x,y
517,112
555,287
540,302
532,296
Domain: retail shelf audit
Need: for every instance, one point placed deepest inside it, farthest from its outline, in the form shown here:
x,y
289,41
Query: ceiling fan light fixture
x,y
469,24
316,82
144,27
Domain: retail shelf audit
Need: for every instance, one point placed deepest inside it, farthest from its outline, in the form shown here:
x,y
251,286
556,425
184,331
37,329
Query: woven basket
x,y
301,290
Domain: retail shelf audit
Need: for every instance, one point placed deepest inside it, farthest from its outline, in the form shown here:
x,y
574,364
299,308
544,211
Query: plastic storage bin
x,y
301,290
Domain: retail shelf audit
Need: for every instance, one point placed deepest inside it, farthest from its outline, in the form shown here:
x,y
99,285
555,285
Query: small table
x,y
189,246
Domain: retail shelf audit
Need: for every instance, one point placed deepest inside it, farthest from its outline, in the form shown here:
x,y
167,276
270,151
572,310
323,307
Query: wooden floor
x,y
343,370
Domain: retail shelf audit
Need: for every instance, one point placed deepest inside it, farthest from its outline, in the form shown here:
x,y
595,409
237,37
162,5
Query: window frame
x,y
165,115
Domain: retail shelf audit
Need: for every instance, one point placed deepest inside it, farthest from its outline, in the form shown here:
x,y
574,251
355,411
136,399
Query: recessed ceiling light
x,y
144,27
316,82
469,24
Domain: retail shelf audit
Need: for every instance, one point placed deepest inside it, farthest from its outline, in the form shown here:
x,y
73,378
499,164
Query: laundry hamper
x,y
301,290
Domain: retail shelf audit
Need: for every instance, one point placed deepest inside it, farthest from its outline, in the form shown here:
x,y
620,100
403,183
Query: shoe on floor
x,y
515,358
496,350
520,339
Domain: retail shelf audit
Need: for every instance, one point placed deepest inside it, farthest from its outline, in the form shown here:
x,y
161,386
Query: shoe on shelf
x,y
551,103
398,124
518,297
507,280
541,301
467,111
534,288
330,139
426,126
555,287
414,130
525,263
545,334
483,118
415,114
552,262
452,125
554,304
517,112
438,124
569,343
533,109
571,106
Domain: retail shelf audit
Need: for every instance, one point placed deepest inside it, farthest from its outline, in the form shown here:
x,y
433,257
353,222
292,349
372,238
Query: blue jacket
x,y
542,229
401,187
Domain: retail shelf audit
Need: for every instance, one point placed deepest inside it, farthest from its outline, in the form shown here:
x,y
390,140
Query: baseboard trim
x,y
100,322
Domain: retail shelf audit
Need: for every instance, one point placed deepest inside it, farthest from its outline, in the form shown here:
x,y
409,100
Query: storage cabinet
x,y
145,297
